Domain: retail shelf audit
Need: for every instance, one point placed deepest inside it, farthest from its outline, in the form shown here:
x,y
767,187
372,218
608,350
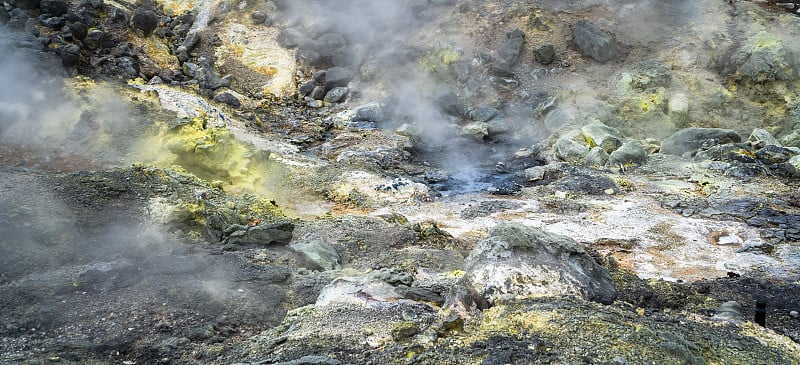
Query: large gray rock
x,y
687,142
338,77
144,20
508,54
316,253
567,149
631,153
517,261
599,134
53,7
280,232
594,42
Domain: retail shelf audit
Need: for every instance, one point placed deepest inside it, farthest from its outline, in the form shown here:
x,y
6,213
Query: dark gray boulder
x,y
518,261
630,153
70,55
208,78
280,232
336,94
545,54
144,20
449,104
651,74
291,38
508,54
53,7
687,142
229,98
25,4
338,76
593,42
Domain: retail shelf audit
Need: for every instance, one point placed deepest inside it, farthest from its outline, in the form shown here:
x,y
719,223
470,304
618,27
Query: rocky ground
x,y
423,181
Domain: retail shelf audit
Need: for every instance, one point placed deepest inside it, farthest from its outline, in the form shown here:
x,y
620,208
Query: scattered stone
x,y
372,112
280,232
316,253
338,77
678,107
483,113
258,17
545,54
228,97
53,7
567,149
791,139
599,134
336,94
517,261
596,157
404,331
476,130
730,311
630,154
763,136
794,314
687,142
772,154
307,88
449,104
70,55
208,78
651,74
318,93
508,54
144,20
594,42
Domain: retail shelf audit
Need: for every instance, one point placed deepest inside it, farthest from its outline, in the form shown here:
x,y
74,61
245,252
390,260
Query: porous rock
x,y
599,134
688,141
517,261
594,42
630,153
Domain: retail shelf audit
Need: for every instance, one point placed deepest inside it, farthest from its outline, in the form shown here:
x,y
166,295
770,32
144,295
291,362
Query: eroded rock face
x,y
517,261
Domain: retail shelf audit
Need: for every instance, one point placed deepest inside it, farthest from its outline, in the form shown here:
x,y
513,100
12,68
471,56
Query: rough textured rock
x,y
651,74
144,20
688,141
53,7
599,134
317,254
759,135
594,42
336,94
596,157
567,149
508,54
280,232
630,153
338,77
476,130
517,261
544,54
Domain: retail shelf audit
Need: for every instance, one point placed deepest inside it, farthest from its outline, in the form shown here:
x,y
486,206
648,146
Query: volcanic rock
x,y
599,134
508,54
316,253
280,232
594,42
144,20
517,261
630,153
53,7
544,54
567,149
688,141
336,94
338,76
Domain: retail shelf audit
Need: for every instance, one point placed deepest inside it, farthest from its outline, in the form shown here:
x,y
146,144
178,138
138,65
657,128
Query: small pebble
x,y
794,314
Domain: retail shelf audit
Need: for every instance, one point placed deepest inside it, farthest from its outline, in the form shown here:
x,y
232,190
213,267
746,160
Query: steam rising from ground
x,y
44,116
